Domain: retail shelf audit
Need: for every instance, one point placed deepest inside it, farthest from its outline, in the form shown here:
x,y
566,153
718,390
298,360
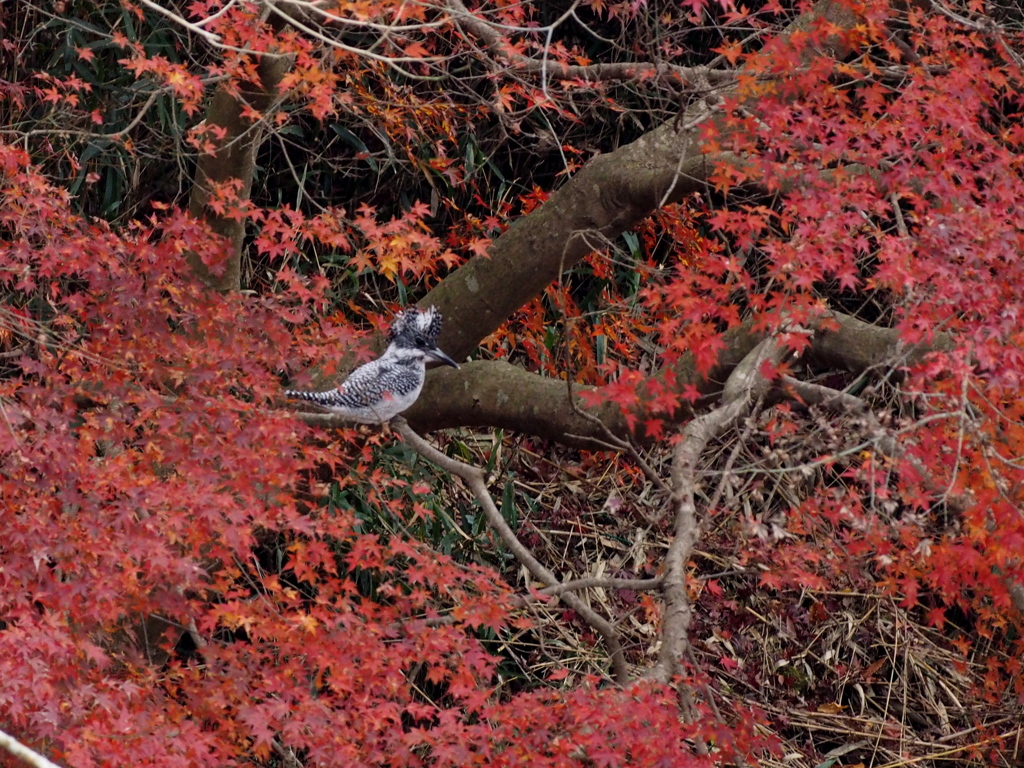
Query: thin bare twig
x,y
210,37
886,442
834,400
614,441
489,35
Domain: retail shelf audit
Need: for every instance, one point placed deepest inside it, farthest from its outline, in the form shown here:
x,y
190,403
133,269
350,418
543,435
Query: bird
x,y
381,389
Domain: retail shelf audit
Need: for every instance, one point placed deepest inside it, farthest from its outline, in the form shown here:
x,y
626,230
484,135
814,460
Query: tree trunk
x,y
235,159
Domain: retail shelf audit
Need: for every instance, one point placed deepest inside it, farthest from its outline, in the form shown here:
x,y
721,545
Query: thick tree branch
x,y
856,346
611,194
474,478
233,161
501,395
498,394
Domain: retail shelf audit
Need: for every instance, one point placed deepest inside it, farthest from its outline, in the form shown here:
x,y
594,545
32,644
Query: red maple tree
x,y
752,275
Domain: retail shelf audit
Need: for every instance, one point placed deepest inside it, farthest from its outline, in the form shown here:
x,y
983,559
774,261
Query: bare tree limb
x,y
234,160
498,394
493,39
475,480
20,751
745,386
638,585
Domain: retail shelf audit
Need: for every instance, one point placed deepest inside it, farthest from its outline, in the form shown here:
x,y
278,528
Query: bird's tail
x,y
321,398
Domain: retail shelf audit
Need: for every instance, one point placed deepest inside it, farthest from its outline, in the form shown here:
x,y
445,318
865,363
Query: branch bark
x,y
492,39
611,194
234,160
744,387
498,394
20,751
474,478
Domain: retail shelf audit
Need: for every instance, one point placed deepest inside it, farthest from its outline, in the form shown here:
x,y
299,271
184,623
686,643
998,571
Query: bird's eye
x,y
421,341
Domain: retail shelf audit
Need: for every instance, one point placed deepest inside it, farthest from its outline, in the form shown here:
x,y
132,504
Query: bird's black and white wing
x,y
373,393
376,381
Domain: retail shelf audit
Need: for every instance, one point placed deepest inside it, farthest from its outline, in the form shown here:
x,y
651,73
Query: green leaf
x,y
356,143
508,505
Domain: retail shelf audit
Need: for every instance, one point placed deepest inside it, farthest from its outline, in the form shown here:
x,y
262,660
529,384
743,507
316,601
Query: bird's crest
x,y
412,320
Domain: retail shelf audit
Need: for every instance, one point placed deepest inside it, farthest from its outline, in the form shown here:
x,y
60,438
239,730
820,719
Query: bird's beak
x,y
441,357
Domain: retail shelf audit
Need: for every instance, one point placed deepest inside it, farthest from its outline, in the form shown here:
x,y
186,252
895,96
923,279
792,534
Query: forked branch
x,y
745,386
492,37
475,480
